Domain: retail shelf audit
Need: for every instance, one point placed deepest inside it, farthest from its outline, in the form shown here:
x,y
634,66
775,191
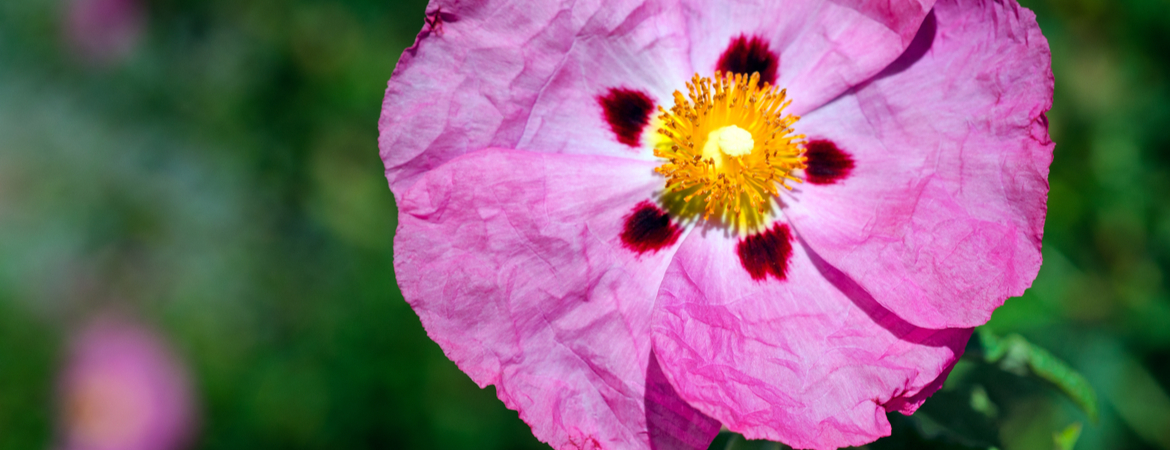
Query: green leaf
x,y
981,402
736,441
920,432
1067,439
1015,354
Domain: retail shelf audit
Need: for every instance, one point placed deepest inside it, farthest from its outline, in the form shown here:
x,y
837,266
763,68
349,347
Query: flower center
x,y
729,147
731,140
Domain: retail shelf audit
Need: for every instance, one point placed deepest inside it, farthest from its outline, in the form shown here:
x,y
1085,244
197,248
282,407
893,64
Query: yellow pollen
x,y
729,147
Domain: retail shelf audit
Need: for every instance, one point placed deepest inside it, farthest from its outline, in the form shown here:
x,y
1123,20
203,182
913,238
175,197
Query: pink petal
x,y
515,263
525,75
942,215
674,424
824,47
811,360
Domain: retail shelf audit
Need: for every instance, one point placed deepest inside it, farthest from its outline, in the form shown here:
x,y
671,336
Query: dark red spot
x,y
826,163
748,55
628,112
649,228
435,21
766,253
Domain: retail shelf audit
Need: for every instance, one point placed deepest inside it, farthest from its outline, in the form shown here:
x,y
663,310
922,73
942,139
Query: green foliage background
x,y
222,183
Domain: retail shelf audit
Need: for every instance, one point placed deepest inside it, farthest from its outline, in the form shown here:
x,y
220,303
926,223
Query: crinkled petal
x,y
524,75
811,360
942,215
514,264
674,424
824,47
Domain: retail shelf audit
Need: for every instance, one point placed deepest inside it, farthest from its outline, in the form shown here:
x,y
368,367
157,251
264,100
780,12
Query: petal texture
x,y
525,75
811,361
824,47
942,213
515,264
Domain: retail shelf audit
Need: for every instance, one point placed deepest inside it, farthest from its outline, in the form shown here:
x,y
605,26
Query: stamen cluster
x,y
729,185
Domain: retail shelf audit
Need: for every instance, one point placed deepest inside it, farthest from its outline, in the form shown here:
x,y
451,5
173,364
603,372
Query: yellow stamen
x,y
728,146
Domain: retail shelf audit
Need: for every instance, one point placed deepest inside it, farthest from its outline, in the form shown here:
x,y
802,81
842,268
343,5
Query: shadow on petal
x,y
672,422
899,327
922,42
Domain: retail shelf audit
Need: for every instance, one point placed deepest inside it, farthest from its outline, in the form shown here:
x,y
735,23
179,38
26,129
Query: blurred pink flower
x,y
103,31
123,390
790,270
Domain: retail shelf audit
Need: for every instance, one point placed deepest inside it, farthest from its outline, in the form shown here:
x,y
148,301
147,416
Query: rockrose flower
x,y
103,32
123,390
642,219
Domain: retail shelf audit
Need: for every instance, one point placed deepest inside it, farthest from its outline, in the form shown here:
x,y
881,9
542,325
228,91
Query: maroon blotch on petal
x,y
766,253
747,55
649,228
827,164
627,111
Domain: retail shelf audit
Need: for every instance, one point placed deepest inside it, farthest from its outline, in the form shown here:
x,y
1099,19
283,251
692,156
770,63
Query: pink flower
x,y
790,270
123,390
103,31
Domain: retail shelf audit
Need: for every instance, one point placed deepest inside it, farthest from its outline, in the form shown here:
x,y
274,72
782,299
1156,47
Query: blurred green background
x,y
217,176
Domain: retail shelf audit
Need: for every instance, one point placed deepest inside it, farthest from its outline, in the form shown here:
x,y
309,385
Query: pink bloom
x,y
547,242
123,390
103,31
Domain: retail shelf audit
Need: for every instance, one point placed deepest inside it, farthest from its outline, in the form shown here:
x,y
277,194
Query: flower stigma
x,y
731,140
729,147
